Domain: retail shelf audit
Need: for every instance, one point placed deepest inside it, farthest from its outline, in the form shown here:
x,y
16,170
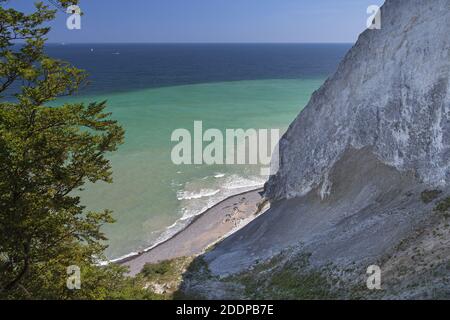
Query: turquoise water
x,y
149,193
153,89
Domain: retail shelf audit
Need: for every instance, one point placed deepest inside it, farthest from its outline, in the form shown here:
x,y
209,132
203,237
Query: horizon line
x,y
188,42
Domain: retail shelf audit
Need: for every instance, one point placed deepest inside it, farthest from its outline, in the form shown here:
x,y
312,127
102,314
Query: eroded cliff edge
x,y
391,92
364,178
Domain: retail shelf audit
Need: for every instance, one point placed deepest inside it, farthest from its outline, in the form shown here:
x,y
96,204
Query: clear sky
x,y
213,20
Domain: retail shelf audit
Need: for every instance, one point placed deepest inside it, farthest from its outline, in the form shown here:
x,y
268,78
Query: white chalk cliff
x,y
362,170
391,92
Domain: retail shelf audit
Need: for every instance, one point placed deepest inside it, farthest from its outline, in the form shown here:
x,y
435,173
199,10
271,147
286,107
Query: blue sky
x,y
213,20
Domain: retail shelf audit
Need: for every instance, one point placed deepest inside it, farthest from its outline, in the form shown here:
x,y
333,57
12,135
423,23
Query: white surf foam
x,y
195,203
187,195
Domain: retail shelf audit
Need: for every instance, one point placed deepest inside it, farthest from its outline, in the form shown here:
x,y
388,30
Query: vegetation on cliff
x,y
46,153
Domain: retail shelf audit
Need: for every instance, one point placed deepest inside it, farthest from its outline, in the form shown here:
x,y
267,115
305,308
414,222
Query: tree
x,y
47,153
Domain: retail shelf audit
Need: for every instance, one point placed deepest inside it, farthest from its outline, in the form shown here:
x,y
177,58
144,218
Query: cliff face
x,y
391,92
364,178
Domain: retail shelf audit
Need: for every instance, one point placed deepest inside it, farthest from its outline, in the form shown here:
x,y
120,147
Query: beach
x,y
215,224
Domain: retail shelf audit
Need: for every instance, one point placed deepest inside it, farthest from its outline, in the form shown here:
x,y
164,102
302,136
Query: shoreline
x,y
205,229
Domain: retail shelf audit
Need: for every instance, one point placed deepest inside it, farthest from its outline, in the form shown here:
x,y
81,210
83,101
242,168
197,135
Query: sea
x,y
154,89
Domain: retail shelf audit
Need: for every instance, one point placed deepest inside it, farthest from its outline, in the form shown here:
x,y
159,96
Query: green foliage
x,y
47,153
429,195
157,270
290,284
27,64
279,280
443,206
167,274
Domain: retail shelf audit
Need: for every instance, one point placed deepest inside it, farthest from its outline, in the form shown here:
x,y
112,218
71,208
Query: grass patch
x,y
443,206
290,284
276,279
165,277
156,270
429,196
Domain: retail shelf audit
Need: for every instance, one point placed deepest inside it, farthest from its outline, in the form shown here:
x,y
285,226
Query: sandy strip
x,y
206,229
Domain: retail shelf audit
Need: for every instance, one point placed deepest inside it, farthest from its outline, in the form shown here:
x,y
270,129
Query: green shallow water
x,y
149,193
